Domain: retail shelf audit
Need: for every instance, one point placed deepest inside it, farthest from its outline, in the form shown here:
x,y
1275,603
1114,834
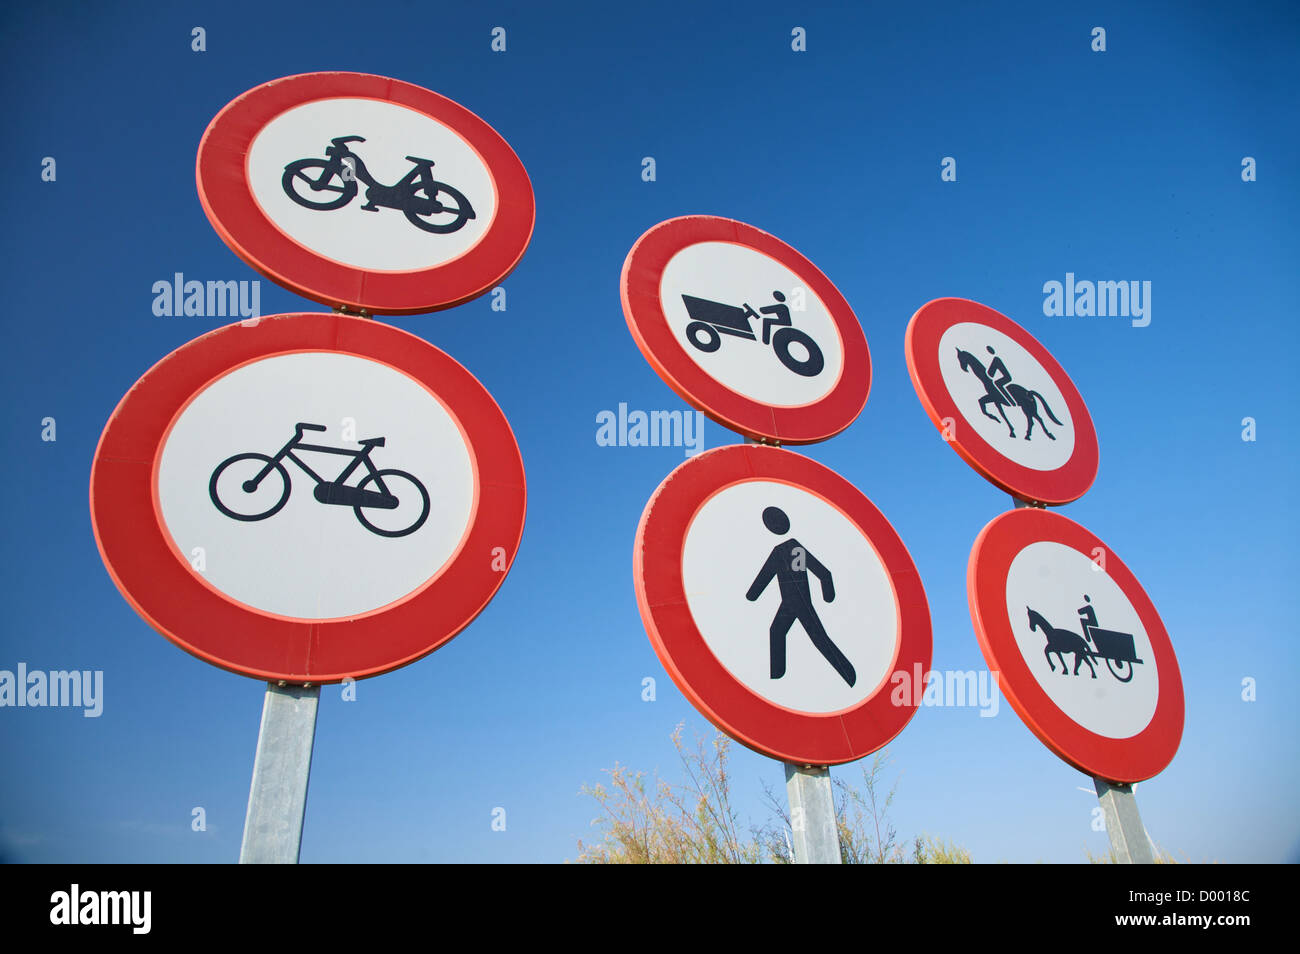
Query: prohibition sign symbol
x,y
746,329
1002,401
308,499
782,603
1084,658
365,192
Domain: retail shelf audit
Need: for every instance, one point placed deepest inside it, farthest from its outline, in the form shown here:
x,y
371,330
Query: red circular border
x,y
639,286
1118,760
801,738
160,585
239,220
1068,482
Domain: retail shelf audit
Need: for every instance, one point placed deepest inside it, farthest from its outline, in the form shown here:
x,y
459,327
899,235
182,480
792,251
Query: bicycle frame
x,y
295,443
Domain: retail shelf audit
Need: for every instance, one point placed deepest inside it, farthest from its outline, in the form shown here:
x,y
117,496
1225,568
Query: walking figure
x,y
789,562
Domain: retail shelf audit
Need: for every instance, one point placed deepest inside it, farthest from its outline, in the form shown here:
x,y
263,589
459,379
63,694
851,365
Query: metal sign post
x,y
277,799
1128,839
812,814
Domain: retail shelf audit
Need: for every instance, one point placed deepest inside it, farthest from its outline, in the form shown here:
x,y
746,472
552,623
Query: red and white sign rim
x,y
1068,482
798,737
639,284
234,212
157,580
1118,760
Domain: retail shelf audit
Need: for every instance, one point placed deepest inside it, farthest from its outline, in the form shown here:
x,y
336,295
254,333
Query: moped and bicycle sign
x,y
318,497
746,329
1006,406
1084,658
365,193
781,602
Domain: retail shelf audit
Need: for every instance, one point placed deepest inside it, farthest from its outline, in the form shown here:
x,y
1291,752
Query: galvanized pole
x,y
1128,839
277,799
812,815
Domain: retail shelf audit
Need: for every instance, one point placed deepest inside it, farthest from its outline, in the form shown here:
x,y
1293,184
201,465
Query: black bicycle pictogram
x,y
427,203
710,320
245,474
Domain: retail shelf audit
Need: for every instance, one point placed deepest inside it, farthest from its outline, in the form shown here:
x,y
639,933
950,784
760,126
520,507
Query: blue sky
x,y
1117,165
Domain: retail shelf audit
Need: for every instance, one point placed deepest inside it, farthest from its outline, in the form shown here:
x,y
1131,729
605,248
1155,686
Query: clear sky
x,y
1116,165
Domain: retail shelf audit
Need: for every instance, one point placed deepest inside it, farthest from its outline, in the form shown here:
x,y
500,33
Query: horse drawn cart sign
x,y
1083,656
311,498
746,329
1002,401
781,602
364,192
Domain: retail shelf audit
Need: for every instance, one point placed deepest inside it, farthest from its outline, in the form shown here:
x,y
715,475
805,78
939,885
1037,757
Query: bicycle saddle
x,y
372,442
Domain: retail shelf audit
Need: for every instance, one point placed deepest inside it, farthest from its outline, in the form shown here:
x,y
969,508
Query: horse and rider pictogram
x,y
1096,643
1002,393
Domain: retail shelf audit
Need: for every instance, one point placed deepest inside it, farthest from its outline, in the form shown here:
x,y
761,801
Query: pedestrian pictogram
x,y
1001,400
1057,626
746,329
789,564
781,602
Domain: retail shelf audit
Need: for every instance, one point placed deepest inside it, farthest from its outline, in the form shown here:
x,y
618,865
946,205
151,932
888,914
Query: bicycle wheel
x,y
453,210
808,367
711,341
406,489
254,501
342,188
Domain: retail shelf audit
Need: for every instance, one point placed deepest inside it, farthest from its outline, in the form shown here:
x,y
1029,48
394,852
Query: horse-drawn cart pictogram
x,y
1118,649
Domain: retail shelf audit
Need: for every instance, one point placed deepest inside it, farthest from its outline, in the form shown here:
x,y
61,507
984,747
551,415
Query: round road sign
x,y
782,603
365,192
308,497
746,329
1083,656
1001,400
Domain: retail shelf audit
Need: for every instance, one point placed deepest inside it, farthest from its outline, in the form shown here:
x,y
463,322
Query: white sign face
x,y
790,596
412,195
266,520
751,324
1006,396
1107,683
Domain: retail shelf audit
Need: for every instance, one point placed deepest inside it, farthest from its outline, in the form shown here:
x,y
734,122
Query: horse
x,y
1026,399
1061,641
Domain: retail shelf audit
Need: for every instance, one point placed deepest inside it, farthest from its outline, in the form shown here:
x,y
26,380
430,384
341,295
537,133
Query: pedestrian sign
x,y
781,601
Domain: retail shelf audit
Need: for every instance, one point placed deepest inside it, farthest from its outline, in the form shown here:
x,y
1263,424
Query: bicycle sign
x,y
1050,604
279,168
194,509
427,204
694,288
235,484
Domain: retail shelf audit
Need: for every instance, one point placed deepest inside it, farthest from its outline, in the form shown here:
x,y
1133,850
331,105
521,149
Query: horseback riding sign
x,y
319,497
746,329
781,601
1002,401
1084,658
365,193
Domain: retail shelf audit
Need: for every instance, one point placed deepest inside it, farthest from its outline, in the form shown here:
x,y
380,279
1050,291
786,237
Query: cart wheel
x,y
711,341
1121,668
